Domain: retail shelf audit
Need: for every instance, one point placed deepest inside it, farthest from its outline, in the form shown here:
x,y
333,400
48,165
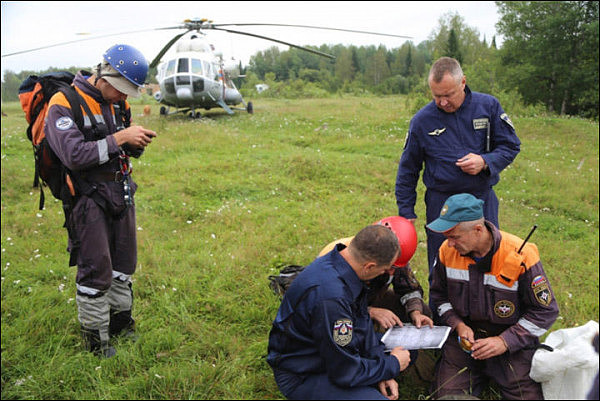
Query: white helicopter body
x,y
197,77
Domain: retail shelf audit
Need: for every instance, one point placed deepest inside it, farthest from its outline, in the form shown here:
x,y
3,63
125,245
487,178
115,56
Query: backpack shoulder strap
x,y
74,100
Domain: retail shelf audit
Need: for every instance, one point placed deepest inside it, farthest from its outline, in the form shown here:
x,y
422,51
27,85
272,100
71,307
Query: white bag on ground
x,y
567,373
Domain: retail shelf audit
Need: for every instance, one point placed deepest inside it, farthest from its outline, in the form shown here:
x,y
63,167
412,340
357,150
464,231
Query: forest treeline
x,y
548,60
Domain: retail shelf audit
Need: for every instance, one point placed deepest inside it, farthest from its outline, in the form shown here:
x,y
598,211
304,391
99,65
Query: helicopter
x,y
197,76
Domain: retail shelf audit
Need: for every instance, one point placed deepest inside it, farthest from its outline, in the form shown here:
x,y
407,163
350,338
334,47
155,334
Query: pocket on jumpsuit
x,y
114,195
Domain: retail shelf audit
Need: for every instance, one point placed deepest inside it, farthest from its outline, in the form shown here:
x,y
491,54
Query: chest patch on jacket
x,y
504,308
480,123
541,291
342,332
437,132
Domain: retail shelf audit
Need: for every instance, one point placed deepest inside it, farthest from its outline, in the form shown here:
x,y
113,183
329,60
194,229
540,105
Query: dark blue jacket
x,y
438,139
323,326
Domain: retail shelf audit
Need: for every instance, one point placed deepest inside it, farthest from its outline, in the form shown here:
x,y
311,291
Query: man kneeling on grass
x,y
322,343
491,288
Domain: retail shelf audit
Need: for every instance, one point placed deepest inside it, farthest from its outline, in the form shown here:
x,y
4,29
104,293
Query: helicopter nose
x,y
184,93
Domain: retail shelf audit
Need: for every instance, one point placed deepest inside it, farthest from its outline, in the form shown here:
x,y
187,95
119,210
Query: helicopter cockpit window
x,y
208,72
183,65
170,68
196,67
170,85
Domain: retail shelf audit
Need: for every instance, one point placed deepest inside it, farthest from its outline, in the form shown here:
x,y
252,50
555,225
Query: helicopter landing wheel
x,y
195,114
249,108
163,110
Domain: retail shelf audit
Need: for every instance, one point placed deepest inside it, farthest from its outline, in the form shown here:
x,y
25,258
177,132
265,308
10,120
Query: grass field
x,y
222,202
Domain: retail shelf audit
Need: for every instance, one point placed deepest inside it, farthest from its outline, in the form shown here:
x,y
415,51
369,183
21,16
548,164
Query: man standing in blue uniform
x,y
322,344
464,139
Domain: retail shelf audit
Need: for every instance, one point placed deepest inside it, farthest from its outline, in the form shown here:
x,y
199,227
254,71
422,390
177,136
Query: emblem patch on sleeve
x,y
541,290
504,117
504,308
342,332
64,123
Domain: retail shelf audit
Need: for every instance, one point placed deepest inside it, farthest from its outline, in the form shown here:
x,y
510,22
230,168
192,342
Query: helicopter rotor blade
x,y
275,40
156,60
315,27
76,41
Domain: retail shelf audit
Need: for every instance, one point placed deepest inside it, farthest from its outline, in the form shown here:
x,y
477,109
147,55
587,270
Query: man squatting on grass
x,y
404,302
497,299
322,344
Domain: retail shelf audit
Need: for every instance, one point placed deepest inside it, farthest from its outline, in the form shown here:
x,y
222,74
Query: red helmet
x,y
407,237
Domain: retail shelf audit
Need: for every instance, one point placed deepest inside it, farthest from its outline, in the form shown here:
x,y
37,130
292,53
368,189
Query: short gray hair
x,y
469,225
375,243
443,66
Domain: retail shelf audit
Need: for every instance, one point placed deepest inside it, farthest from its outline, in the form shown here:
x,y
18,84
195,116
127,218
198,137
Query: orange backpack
x,y
34,94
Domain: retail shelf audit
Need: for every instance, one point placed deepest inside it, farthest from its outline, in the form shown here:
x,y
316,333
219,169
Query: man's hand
x,y
389,388
384,317
465,332
471,164
420,319
136,136
403,357
490,347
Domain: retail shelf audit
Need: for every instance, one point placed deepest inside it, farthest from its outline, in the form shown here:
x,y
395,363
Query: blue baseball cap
x,y
458,208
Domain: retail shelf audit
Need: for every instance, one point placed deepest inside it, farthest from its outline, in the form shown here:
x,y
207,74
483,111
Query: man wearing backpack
x,y
101,221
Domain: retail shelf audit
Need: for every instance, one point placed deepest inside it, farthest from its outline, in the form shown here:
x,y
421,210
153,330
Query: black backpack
x,y
280,283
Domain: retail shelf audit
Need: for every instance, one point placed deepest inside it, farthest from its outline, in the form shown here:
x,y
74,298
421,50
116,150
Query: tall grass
x,y
222,202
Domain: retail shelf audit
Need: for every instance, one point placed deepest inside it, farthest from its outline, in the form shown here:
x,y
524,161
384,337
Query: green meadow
x,y
223,202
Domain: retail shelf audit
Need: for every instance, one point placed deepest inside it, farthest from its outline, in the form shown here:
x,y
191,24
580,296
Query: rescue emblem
x,y
504,308
342,332
437,132
64,123
504,117
480,123
541,290
444,210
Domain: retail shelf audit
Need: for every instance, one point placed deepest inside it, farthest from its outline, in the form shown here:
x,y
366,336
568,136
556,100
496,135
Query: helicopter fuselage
x,y
195,79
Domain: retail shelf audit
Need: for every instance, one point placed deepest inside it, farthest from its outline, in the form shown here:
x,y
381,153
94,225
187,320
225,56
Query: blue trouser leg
x,y
319,387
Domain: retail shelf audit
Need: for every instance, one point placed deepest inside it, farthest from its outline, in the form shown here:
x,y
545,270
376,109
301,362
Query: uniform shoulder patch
x,y
64,123
541,290
504,117
342,332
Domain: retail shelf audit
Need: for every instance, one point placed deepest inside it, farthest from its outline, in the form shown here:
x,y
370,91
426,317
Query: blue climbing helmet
x,y
129,62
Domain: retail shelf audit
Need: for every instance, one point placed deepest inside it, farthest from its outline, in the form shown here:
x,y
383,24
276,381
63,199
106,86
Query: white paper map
x,y
410,337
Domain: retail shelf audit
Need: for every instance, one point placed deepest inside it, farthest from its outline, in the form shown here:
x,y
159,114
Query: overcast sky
x,y
30,24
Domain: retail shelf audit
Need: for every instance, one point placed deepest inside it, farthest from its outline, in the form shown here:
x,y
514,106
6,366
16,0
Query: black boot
x,y
121,323
92,343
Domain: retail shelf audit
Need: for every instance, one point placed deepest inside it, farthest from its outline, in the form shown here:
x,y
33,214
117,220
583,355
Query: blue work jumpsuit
x,y
437,139
322,344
